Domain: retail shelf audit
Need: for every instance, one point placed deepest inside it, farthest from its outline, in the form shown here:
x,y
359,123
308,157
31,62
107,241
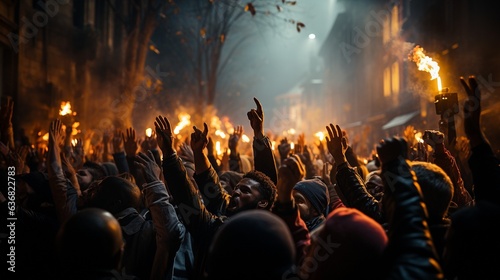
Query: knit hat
x,y
253,244
350,240
316,192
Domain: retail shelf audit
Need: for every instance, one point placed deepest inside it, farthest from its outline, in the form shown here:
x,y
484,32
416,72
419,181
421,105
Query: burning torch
x,y
446,103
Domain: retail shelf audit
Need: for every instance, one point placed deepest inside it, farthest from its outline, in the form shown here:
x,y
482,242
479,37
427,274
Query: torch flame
x,y
292,146
426,64
65,108
440,86
184,120
45,137
149,131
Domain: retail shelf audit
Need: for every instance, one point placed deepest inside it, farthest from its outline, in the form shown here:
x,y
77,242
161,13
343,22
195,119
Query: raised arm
x,y
264,160
351,186
57,180
169,230
411,253
214,196
482,162
195,216
444,159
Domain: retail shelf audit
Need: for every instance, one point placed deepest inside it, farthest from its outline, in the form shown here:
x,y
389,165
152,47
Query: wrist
x,y
258,134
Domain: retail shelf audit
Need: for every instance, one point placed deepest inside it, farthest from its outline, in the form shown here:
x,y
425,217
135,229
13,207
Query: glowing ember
x,y
245,138
149,132
425,63
184,120
320,135
65,109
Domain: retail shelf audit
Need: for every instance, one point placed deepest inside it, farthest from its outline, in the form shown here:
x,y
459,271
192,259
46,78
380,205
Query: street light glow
x,y
312,36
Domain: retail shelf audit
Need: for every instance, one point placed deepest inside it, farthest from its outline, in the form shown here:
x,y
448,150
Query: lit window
x,y
395,21
386,32
387,82
395,78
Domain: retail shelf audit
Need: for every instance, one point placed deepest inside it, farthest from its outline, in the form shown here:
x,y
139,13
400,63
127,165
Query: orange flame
x,y
426,64
149,132
218,148
320,135
220,134
65,108
184,120
245,138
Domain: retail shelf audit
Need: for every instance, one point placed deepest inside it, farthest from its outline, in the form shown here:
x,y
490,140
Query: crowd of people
x,y
164,209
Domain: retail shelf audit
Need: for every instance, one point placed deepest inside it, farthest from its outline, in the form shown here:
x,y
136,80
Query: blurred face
x,y
226,186
307,212
246,195
84,178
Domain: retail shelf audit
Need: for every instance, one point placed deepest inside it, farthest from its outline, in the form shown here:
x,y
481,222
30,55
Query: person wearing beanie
x,y
312,199
254,244
351,246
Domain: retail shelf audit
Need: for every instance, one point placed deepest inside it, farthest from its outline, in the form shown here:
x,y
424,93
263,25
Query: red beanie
x,y
351,246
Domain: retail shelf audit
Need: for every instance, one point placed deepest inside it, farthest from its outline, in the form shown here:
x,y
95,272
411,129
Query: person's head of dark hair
x,y
98,171
90,240
110,168
229,179
115,194
266,186
436,186
253,244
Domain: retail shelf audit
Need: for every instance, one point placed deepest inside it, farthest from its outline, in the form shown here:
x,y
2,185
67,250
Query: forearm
x,y
184,193
57,183
485,173
201,162
213,163
8,136
444,159
121,162
214,197
264,158
168,228
354,192
235,162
